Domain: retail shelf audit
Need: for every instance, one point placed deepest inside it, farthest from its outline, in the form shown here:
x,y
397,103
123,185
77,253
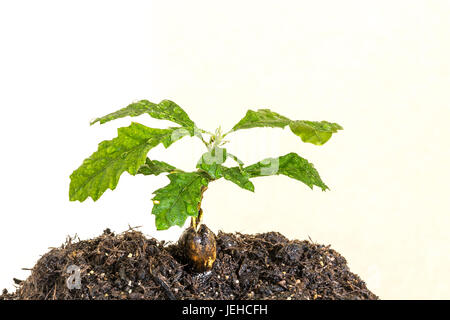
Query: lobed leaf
x,y
261,118
155,167
314,131
211,161
291,165
239,177
165,110
126,152
179,199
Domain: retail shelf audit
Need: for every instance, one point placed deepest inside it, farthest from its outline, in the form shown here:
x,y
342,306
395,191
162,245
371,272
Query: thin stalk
x,y
195,221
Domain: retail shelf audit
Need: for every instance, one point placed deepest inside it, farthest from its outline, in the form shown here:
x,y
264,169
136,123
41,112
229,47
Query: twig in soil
x,y
164,285
130,228
54,293
311,240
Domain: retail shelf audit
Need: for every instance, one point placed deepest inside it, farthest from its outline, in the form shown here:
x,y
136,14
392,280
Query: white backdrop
x,y
379,68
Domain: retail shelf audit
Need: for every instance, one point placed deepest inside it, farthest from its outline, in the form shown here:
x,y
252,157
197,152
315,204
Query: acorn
x,y
199,247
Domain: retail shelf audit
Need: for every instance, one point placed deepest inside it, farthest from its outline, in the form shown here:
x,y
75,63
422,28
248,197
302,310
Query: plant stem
x,y
226,133
195,221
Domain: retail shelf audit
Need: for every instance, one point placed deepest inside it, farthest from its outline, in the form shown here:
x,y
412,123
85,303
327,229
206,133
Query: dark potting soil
x,y
131,266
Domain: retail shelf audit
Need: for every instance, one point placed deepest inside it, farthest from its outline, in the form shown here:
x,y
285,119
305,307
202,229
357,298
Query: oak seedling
x,y
182,197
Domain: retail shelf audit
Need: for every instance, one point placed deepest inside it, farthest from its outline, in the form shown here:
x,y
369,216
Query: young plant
x,y
182,197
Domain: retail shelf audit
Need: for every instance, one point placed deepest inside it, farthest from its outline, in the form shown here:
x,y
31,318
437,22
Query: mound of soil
x,y
131,266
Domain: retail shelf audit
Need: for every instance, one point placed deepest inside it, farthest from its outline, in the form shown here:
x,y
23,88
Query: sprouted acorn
x,y
199,247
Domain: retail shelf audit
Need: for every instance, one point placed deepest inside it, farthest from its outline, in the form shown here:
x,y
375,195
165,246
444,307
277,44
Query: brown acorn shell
x,y
199,247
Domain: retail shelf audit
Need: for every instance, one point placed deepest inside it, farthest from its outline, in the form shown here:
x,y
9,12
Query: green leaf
x,y
313,131
126,152
239,177
261,118
165,110
211,161
155,167
179,199
291,165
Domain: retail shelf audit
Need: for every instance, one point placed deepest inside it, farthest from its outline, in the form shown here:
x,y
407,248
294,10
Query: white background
x,y
379,68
